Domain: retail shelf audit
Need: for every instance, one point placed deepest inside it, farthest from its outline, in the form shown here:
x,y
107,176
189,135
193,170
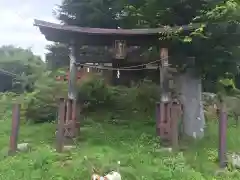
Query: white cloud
x,y
16,25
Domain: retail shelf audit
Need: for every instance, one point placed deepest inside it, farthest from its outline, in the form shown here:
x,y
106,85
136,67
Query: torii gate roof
x,y
105,37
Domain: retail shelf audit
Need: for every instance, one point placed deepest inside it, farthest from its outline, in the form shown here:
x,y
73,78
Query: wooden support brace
x,y
60,130
75,117
175,116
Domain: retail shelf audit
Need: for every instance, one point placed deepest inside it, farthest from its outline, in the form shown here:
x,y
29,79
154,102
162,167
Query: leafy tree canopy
x,y
215,45
23,66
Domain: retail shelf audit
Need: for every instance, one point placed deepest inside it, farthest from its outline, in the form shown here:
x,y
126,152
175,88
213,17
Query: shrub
x,y
41,105
140,98
95,92
6,102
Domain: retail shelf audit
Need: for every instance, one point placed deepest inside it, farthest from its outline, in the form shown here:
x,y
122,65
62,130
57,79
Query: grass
x,y
104,142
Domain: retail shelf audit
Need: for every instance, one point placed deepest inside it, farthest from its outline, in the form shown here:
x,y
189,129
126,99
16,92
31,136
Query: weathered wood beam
x,y
107,58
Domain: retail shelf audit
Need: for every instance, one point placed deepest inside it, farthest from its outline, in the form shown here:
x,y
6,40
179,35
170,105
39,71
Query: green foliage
x,y
131,142
140,98
22,65
90,13
6,102
138,160
215,47
215,44
57,56
41,105
96,92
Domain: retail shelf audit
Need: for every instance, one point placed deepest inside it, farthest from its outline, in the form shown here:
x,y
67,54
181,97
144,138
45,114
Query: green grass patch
x,y
104,141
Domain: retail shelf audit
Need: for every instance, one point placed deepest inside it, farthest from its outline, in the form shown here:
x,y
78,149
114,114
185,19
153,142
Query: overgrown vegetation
x,y
214,45
19,69
94,94
104,140
118,123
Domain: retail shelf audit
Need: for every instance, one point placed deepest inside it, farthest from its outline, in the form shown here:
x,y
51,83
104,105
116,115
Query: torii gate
x,y
118,39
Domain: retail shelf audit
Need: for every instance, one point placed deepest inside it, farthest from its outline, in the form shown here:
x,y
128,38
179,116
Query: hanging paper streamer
x,y
118,74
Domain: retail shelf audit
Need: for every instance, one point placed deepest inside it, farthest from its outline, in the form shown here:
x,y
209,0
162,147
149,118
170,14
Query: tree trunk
x,y
190,88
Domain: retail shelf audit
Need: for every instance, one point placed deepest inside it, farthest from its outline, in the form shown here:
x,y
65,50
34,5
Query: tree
x,y
23,66
214,45
97,13
57,56
154,13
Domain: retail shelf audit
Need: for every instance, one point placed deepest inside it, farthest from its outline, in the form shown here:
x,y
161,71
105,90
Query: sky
x,y
16,23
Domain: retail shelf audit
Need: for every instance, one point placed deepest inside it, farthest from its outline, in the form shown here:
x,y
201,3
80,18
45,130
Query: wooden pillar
x,y
72,92
60,128
176,112
158,119
75,110
163,75
72,80
15,129
165,118
222,136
